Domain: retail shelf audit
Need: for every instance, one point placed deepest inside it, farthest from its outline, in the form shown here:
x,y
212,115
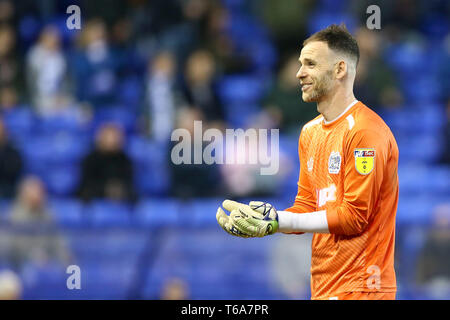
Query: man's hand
x,y
257,219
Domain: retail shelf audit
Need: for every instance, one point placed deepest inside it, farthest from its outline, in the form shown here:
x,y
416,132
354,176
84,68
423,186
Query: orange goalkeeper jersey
x,y
348,167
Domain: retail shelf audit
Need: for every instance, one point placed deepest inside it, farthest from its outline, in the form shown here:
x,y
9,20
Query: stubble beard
x,y
321,89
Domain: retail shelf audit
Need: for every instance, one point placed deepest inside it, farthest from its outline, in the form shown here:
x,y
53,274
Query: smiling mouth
x,y
306,86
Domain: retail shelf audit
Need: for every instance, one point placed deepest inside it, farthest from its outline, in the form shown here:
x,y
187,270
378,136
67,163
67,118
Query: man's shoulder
x,y
369,127
366,119
310,124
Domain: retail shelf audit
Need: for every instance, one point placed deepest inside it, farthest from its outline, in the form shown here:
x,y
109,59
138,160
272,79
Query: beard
x,y
321,88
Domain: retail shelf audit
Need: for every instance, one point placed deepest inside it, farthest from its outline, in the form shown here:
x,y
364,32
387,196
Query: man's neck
x,y
333,107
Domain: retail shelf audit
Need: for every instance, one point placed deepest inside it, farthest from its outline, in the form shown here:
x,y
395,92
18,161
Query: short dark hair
x,y
338,39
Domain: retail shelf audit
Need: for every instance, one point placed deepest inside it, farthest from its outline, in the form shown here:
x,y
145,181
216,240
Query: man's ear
x,y
341,69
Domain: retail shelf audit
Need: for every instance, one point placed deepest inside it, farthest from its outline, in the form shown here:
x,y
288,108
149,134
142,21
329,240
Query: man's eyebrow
x,y
306,60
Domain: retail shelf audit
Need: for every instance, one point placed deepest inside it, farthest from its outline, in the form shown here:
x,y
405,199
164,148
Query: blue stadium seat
x,y
71,120
103,213
204,212
117,114
323,19
415,210
44,281
425,148
106,280
62,180
142,149
130,93
67,212
423,89
36,152
5,206
157,213
151,174
20,123
412,178
407,59
67,148
438,181
426,118
240,89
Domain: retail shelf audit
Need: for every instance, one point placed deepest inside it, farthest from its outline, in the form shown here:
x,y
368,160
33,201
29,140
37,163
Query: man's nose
x,y
301,73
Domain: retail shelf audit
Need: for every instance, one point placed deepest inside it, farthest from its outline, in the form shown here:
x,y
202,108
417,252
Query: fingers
x,y
231,205
249,226
260,206
227,223
248,212
264,208
221,217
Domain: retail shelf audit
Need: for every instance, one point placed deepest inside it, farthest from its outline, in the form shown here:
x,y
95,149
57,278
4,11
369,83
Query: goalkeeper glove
x,y
257,219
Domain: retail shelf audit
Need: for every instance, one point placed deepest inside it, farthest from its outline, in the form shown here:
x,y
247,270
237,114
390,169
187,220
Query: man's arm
x,y
365,159
305,200
366,156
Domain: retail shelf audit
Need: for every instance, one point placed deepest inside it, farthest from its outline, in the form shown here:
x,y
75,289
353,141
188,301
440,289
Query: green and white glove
x,y
257,219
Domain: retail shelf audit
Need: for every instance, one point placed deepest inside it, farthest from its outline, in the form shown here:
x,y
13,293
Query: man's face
x,y
316,71
109,139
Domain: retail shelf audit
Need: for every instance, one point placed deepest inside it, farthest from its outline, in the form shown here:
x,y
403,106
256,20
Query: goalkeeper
x,y
348,184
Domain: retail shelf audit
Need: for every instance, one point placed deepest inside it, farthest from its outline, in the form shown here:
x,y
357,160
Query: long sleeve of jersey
x,y
305,200
365,159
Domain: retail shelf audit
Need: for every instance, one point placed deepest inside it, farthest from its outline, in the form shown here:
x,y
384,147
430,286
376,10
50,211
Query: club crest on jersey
x,y
364,160
334,163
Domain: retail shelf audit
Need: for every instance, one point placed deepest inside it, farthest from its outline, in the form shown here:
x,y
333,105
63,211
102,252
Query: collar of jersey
x,y
328,124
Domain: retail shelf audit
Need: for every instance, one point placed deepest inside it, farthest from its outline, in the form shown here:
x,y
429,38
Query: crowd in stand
x,y
139,69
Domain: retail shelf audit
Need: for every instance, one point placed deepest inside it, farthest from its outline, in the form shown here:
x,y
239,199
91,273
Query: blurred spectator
x,y
94,65
105,10
193,29
46,71
286,21
154,17
284,101
290,271
243,178
10,70
7,12
129,63
200,89
175,289
107,171
10,285
433,269
8,98
41,244
443,74
161,95
375,82
193,180
229,59
446,152
10,165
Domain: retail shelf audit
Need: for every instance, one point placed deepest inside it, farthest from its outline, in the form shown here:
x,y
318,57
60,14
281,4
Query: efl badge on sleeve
x,y
334,162
364,160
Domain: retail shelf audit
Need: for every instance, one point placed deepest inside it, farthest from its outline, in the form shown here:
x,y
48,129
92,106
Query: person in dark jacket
x,y
10,165
107,171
